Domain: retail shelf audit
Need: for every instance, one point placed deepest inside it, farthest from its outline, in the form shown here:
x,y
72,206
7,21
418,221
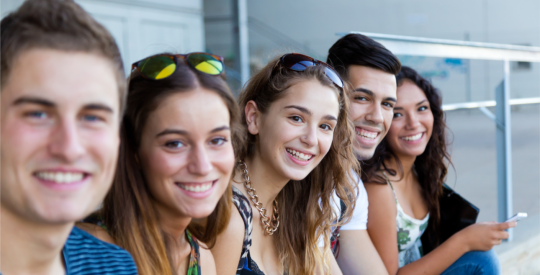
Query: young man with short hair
x,y
63,90
371,69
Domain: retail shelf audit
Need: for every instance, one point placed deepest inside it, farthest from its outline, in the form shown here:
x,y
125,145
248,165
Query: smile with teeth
x,y
299,156
60,177
366,134
412,138
196,188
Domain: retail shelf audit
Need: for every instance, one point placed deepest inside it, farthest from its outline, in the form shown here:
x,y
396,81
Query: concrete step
x,y
521,256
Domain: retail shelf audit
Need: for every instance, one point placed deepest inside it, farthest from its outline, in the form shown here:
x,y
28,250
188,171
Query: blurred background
x,y
250,33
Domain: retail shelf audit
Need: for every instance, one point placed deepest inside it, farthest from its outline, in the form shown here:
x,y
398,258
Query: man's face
x,y
372,103
60,121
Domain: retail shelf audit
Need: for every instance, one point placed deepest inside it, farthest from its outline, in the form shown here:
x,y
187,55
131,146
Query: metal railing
x,y
419,46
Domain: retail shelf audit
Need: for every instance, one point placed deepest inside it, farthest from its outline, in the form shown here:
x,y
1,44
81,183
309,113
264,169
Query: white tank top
x,y
409,232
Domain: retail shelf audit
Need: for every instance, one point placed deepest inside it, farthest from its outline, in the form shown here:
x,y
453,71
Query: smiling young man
x,y
63,89
371,69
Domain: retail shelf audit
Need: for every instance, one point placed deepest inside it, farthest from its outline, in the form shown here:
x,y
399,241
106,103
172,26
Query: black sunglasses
x,y
299,62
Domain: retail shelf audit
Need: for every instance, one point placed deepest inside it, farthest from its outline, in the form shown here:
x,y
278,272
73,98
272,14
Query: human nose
x,y
310,136
375,114
199,162
412,121
66,142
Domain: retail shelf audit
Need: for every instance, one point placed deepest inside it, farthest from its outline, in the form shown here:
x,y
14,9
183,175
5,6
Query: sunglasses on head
x,y
164,65
299,62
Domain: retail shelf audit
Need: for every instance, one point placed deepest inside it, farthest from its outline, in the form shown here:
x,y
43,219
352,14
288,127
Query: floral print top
x,y
194,267
409,232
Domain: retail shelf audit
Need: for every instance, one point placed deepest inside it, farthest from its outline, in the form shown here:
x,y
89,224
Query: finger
x,y
505,225
502,235
497,242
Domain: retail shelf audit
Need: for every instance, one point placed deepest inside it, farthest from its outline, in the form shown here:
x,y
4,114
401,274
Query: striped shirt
x,y
86,255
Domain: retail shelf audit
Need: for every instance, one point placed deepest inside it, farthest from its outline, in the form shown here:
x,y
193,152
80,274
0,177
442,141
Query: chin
x,y
202,212
72,210
364,154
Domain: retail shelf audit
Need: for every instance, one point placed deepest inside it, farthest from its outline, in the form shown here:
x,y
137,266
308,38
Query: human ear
x,y
252,117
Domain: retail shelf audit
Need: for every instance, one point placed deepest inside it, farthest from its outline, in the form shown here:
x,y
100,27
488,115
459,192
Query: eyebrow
x,y
299,108
419,103
98,107
185,133
330,117
370,93
34,100
47,103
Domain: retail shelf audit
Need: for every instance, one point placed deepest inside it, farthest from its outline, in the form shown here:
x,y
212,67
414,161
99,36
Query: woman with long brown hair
x,y
175,164
298,152
404,182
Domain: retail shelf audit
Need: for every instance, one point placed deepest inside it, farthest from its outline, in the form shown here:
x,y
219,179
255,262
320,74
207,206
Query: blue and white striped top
x,y
86,255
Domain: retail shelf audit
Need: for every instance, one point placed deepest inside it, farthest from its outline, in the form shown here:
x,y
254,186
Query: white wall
x,y
145,27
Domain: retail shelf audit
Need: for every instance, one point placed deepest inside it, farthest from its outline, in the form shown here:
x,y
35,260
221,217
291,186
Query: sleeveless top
x,y
246,266
409,232
85,254
194,267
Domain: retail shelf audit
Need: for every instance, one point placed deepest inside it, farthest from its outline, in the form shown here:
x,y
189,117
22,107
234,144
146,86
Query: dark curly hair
x,y
431,166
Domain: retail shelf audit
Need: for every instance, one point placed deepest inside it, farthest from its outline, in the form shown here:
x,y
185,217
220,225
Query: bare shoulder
x,y
381,200
228,247
236,228
208,265
96,231
377,191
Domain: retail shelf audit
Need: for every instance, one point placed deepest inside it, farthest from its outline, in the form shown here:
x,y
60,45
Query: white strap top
x,y
409,232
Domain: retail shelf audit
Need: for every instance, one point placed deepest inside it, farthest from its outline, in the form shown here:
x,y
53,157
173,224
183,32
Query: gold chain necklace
x,y
270,225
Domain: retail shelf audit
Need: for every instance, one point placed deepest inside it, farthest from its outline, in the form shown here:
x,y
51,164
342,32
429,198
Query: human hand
x,y
483,236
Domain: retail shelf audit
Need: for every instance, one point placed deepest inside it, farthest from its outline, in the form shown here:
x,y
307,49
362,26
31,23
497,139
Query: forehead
x,y
311,94
379,82
196,110
409,94
69,78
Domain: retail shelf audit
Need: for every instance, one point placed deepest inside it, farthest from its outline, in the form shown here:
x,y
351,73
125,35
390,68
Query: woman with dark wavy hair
x,y
404,182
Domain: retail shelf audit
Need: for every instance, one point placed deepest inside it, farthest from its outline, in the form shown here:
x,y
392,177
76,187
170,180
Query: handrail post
x,y
504,148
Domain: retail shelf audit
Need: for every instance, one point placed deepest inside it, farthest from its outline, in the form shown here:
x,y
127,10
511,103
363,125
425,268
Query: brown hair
x,y
307,200
58,25
431,166
128,209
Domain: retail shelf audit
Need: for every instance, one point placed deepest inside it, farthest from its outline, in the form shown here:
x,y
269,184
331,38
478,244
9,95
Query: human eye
x,y
218,141
360,98
36,114
388,104
92,118
423,108
175,144
396,115
296,119
326,127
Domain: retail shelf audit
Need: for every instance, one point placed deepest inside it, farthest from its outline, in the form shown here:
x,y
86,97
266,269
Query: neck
x,y
264,180
32,247
172,223
407,163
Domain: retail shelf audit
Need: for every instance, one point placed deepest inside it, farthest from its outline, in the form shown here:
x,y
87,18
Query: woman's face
x,y
297,130
186,152
413,121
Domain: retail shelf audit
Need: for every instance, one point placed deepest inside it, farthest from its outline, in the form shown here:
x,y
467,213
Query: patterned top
x,y
86,255
194,267
246,266
409,232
